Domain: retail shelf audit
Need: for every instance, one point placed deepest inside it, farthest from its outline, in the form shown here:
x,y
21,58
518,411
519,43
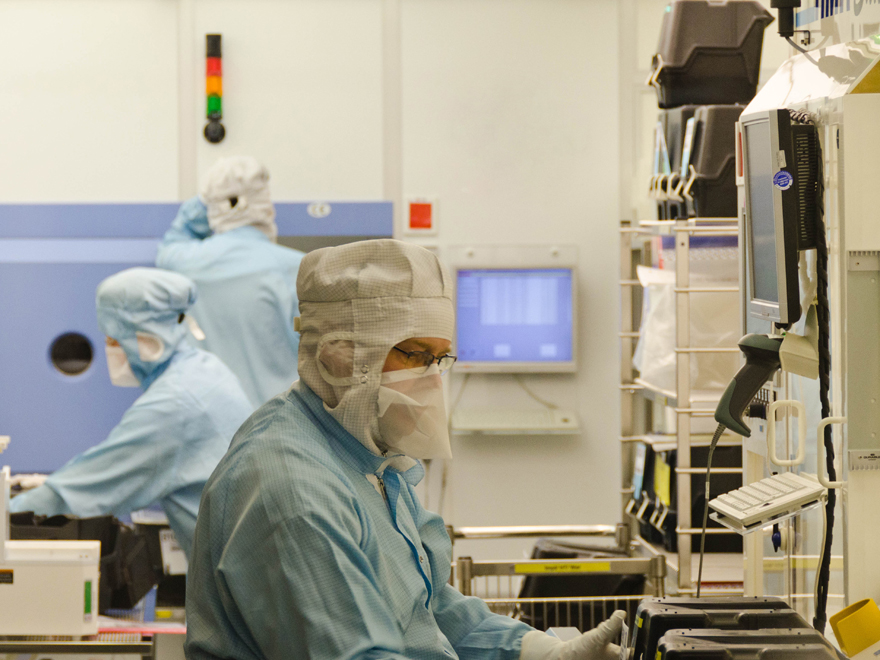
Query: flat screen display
x,y
514,315
762,217
689,133
639,470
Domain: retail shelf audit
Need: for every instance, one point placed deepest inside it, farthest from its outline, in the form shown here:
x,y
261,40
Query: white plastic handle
x,y
798,407
820,451
672,190
686,193
660,192
680,187
655,74
660,517
653,519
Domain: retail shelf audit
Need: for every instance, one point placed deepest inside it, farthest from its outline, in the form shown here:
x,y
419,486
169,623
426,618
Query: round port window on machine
x,y
71,353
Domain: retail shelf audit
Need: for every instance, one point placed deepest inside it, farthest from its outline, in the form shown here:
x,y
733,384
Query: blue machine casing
x,y
52,258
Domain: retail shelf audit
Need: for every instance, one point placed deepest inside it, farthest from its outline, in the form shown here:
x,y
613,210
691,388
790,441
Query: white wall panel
x,y
88,100
509,116
302,91
510,119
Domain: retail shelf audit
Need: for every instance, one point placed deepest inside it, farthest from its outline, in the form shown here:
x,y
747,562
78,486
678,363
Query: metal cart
x,y
500,583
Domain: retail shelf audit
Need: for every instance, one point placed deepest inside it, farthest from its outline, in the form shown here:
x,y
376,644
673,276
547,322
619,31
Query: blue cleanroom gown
x,y
163,450
298,555
247,298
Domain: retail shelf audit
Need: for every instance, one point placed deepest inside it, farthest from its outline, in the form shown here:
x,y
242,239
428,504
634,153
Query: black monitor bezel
x,y
785,204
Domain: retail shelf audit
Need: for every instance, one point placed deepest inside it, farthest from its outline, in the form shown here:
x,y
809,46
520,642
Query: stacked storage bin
x,y
705,71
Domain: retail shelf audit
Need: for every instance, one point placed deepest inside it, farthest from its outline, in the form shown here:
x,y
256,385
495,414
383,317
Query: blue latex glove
x,y
191,222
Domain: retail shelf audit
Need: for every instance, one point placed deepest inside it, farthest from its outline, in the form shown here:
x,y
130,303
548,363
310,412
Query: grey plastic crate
x,y
709,52
714,161
674,123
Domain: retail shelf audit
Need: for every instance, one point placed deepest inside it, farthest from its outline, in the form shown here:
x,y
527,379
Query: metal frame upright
x,y
634,418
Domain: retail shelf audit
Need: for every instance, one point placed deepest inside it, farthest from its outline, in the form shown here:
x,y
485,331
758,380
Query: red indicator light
x,y
420,215
214,66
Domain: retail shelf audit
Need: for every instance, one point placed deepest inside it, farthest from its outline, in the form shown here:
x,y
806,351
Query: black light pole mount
x,y
786,16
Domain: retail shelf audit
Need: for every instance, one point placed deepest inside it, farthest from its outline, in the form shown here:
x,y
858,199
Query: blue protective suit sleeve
x,y
41,499
474,631
312,570
190,223
128,471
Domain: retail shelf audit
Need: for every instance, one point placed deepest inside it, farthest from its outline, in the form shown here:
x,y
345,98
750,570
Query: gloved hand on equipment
x,y
597,644
20,482
192,219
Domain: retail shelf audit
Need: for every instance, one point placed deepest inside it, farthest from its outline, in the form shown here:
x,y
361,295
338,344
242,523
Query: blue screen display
x,y
514,315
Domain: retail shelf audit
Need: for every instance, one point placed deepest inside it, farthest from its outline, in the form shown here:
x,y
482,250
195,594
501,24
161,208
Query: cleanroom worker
x,y
171,439
311,541
224,240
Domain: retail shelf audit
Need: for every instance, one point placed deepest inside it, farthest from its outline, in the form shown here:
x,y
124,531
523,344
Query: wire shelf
x,y
584,613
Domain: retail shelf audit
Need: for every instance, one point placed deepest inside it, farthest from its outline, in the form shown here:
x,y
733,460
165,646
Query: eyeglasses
x,y
421,360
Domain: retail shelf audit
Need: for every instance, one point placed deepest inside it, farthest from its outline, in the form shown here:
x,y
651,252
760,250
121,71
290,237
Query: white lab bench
x,y
155,642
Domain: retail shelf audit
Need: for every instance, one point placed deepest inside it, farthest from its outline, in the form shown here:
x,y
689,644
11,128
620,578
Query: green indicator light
x,y
215,105
88,597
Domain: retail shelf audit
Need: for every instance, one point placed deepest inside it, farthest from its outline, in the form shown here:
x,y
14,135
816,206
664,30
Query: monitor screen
x,y
762,212
638,481
515,315
689,133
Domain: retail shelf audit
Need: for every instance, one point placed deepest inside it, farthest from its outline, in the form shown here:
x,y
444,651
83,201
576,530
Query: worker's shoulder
x,y
195,386
228,256
202,375
280,461
280,256
283,439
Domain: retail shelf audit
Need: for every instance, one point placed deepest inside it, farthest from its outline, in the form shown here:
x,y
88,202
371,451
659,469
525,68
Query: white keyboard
x,y
512,421
767,500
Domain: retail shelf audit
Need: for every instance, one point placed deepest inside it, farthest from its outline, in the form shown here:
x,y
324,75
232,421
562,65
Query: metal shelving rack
x,y
687,404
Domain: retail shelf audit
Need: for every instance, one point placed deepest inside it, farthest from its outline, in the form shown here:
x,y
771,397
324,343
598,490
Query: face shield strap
x,y
194,328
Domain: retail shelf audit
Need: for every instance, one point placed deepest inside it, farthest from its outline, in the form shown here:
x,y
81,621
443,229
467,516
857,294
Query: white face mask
x,y
412,413
121,374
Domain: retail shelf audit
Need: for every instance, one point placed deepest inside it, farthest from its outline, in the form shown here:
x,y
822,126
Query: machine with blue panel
x,y
56,399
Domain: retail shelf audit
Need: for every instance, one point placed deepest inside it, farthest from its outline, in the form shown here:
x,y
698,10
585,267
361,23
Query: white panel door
x,y
88,100
302,91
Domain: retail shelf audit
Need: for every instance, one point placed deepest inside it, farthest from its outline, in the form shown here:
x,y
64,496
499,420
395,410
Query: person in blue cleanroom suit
x,y
224,240
171,439
311,541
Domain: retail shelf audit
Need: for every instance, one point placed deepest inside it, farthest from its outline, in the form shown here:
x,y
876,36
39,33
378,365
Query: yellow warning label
x,y
574,567
662,481
639,623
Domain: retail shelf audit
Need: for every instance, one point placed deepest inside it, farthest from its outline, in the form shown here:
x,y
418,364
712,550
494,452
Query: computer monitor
x,y
515,309
780,168
657,616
